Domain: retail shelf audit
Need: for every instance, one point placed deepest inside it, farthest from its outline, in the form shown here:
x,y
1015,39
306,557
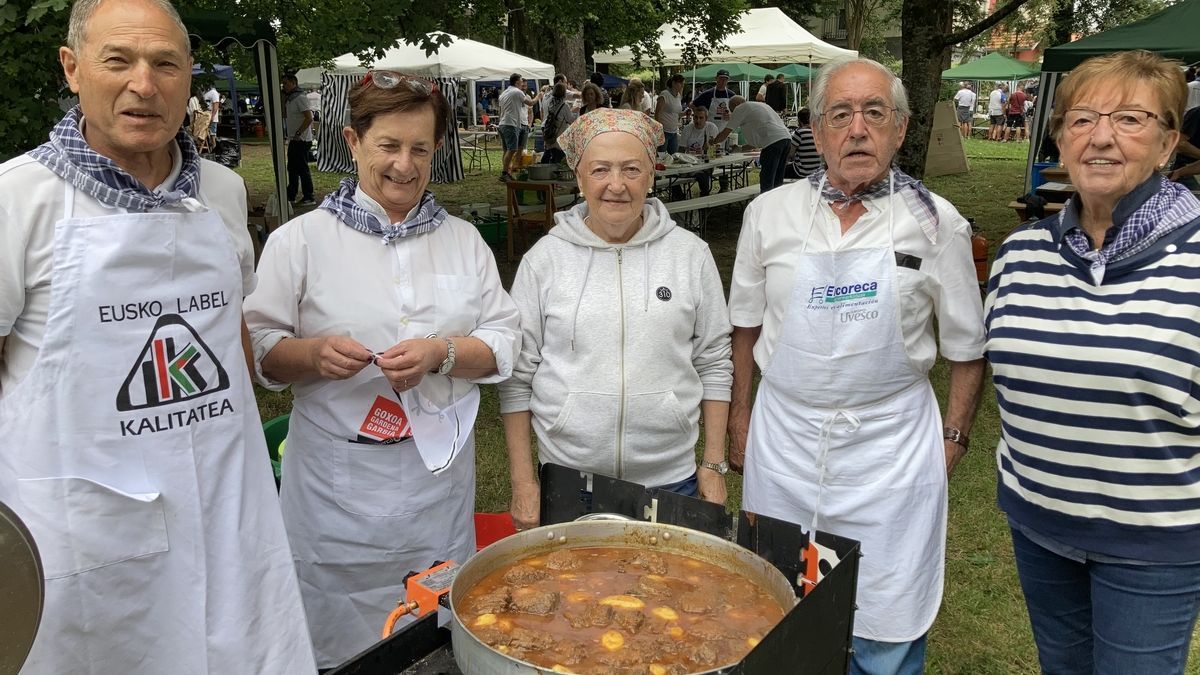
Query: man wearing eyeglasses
x,y
132,446
837,284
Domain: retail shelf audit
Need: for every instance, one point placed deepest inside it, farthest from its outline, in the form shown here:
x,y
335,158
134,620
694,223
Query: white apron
x,y
845,436
361,516
134,452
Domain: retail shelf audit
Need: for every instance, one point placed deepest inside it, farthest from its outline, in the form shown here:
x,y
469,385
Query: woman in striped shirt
x,y
1093,320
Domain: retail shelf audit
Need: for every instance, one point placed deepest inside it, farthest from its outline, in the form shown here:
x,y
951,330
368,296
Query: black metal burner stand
x,y
814,637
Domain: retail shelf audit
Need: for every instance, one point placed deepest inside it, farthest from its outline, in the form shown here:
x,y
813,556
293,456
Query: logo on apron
x,y
175,365
863,293
385,422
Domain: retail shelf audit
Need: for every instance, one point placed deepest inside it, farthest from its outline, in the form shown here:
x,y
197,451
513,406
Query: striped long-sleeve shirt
x,y
1099,393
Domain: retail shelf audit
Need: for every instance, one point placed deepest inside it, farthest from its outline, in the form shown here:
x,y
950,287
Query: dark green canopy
x,y
994,66
1171,33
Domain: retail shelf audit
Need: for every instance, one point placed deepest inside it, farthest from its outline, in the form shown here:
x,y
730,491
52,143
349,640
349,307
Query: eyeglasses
x,y
1127,122
873,115
387,79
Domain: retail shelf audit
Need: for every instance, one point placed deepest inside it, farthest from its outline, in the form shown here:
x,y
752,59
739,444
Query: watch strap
x,y
955,435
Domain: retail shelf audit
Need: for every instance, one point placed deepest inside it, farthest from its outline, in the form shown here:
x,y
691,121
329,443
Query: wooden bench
x,y
699,206
1020,208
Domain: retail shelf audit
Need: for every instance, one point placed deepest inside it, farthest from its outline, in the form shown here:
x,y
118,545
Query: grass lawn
x,y
982,628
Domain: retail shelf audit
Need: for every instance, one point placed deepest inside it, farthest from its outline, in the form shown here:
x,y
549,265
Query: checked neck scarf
x,y
918,198
371,218
70,157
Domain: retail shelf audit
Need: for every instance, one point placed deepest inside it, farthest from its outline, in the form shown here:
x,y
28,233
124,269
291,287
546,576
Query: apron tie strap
x,y
852,423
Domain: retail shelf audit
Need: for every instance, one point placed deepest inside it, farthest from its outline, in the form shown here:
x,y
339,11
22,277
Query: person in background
x,y
762,128
379,473
776,96
837,285
761,93
635,97
591,98
616,280
598,80
964,102
514,127
1187,151
717,100
133,450
667,112
1015,106
212,102
299,124
314,104
1193,88
803,158
1091,319
996,113
558,118
695,138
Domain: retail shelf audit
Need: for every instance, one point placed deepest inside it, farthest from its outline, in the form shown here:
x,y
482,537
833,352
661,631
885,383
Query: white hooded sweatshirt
x,y
621,343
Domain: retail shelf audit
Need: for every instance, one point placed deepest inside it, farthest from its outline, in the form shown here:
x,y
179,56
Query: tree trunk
x,y
568,55
924,25
856,21
927,37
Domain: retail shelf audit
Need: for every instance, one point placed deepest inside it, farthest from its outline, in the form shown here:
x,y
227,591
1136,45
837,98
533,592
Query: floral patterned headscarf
x,y
574,139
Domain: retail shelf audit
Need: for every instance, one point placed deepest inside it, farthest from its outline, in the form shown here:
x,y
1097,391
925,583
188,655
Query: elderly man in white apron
x,y
131,443
836,284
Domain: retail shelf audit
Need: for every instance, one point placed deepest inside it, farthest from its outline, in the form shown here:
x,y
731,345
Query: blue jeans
x,y
688,487
774,161
1102,617
872,657
670,143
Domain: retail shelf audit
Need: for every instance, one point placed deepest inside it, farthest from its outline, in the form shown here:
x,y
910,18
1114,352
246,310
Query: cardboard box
x,y
946,154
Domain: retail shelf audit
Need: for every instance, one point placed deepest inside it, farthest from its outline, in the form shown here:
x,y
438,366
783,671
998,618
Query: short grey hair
x,y
898,93
82,11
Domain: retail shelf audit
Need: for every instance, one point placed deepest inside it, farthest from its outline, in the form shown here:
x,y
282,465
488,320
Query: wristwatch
x,y
721,467
448,364
956,435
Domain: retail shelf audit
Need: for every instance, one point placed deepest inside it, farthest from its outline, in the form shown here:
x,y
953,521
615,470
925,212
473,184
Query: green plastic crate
x,y
493,230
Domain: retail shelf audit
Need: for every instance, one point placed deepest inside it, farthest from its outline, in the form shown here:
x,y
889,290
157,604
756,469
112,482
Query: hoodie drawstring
x,y
646,276
579,301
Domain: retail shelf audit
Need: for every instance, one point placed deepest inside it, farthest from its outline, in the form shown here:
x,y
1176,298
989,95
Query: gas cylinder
x,y
979,251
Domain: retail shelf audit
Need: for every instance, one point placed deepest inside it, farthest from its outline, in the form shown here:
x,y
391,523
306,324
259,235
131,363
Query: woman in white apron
x,y
383,312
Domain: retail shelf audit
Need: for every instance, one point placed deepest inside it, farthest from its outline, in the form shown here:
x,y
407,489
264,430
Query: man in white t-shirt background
x,y
212,101
514,123
995,113
964,102
761,127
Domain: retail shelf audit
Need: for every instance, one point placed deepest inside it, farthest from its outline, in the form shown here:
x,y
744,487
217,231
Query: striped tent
x,y
333,155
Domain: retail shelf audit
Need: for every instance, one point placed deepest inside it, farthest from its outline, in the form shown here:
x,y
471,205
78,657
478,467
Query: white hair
x,y
898,93
82,11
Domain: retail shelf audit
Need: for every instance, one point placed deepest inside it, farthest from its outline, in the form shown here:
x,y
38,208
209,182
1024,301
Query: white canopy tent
x,y
764,35
461,59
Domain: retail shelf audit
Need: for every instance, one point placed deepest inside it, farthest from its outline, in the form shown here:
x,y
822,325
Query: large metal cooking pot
x,y
476,658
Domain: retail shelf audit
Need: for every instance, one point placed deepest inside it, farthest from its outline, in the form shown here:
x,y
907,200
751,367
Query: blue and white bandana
x,y
1171,206
70,157
341,203
918,199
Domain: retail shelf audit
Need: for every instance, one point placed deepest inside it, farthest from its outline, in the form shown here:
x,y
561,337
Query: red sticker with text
x,y
385,421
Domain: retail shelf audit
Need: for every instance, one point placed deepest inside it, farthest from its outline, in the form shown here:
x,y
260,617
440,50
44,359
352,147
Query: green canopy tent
x,y
1170,33
994,66
795,72
744,72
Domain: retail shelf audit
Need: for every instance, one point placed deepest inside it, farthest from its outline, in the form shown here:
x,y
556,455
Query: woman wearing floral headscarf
x,y
382,312
624,328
